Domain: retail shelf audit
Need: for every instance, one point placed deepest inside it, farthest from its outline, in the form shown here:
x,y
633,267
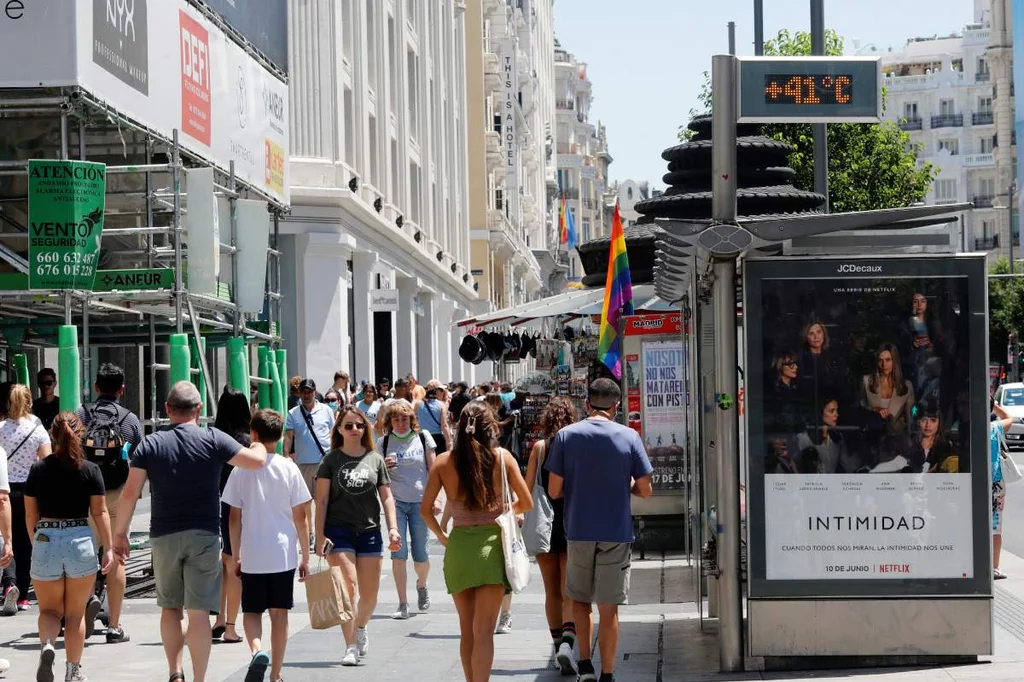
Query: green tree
x,y
1005,309
871,165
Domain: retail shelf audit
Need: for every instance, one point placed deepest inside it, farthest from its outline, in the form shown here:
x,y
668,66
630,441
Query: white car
x,y
1011,398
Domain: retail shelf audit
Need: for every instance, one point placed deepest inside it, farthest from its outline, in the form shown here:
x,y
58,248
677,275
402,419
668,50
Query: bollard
x,y
238,365
21,368
69,368
200,380
282,371
263,390
181,359
277,404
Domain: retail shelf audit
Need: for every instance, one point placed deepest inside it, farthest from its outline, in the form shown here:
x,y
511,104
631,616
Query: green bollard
x,y
277,404
69,368
21,368
197,363
264,390
238,366
181,359
282,371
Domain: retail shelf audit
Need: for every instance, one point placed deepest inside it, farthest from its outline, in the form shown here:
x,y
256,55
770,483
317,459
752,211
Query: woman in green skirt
x,y
474,564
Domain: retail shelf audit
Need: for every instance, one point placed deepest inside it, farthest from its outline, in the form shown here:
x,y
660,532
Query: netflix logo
x,y
196,109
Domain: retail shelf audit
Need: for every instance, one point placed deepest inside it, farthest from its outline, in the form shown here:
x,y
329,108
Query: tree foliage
x,y
1005,309
871,166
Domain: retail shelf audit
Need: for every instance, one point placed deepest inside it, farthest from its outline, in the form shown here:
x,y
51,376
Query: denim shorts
x,y
408,516
63,553
369,543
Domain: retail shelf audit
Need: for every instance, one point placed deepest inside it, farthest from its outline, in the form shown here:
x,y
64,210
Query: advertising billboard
x,y
656,392
226,106
868,430
264,23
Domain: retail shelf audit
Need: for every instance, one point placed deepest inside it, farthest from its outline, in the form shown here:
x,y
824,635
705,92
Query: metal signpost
x,y
765,90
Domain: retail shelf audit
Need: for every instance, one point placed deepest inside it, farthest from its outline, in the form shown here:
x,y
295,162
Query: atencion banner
x,y
867,427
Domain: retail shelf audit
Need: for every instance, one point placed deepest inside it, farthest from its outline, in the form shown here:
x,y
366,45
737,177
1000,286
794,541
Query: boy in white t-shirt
x,y
268,516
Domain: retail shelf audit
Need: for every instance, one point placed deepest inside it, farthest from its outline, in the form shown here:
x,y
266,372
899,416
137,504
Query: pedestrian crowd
x,y
238,509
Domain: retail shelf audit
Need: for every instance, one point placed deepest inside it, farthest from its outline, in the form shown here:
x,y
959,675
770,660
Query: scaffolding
x,y
143,229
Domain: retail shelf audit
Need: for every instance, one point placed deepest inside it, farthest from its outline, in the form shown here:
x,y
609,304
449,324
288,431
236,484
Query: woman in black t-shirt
x,y
61,491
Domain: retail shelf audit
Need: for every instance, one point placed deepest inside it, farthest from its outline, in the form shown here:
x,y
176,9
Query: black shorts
x,y
262,591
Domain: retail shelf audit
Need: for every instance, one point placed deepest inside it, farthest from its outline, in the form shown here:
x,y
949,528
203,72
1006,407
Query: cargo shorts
x,y
187,569
598,572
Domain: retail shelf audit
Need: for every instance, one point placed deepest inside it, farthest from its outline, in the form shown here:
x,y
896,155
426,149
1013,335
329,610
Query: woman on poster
x,y
932,452
924,358
822,449
817,364
886,393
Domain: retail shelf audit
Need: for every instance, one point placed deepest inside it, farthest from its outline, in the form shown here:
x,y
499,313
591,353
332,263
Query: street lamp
x,y
1009,207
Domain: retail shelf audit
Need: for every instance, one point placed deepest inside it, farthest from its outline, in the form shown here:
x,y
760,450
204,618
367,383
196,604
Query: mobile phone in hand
x,y
328,546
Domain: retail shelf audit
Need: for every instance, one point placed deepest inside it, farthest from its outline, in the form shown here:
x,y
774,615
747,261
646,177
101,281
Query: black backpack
x,y
103,442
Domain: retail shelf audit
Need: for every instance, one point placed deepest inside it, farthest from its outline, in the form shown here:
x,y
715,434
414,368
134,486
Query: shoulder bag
x,y
1011,474
540,519
312,434
24,440
517,563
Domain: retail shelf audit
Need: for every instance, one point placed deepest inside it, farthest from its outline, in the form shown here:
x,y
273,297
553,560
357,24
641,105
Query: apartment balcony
x,y
982,200
979,160
565,104
982,118
986,243
492,73
982,76
948,121
911,124
494,150
927,81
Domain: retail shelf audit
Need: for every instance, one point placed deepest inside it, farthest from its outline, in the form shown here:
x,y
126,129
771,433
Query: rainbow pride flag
x,y
618,300
563,225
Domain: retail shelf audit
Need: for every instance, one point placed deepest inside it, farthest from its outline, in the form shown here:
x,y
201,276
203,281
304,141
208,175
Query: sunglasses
x,y
354,426
47,383
331,401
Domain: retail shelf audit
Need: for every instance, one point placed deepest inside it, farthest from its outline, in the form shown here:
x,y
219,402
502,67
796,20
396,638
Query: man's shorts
x,y
112,497
308,472
598,572
187,569
262,591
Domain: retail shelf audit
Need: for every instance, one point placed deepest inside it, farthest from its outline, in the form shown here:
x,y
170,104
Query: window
x,y
982,65
348,24
374,152
945,190
395,172
951,145
414,192
371,45
947,107
410,13
350,127
988,228
412,66
985,105
910,111
392,66
987,187
986,145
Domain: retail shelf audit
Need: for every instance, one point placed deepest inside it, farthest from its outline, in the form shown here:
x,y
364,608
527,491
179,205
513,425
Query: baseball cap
x,y
307,383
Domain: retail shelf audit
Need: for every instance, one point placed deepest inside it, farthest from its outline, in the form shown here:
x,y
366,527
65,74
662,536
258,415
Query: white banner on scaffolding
x,y
163,65
253,239
203,222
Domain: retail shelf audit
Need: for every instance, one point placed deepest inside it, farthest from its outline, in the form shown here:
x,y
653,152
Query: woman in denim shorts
x,y
61,491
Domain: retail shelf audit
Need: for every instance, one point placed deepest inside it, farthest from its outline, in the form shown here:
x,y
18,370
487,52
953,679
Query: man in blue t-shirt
x,y
307,436
182,465
596,464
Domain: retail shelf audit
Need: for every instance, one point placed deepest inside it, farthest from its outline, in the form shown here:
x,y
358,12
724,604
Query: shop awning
x,y
573,302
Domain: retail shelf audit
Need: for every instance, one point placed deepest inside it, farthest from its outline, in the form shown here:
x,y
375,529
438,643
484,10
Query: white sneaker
x,y
362,641
75,674
566,659
504,624
402,613
351,656
5,665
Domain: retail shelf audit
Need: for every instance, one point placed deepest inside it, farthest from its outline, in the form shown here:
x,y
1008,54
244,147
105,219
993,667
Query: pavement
x,y
663,639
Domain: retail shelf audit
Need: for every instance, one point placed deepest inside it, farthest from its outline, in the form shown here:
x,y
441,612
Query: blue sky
x,y
645,57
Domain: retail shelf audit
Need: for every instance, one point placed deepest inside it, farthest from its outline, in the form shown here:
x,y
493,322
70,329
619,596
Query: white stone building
x,y
378,181
945,92
510,110
583,156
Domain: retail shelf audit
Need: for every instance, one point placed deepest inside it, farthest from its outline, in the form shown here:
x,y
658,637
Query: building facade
x,y
945,92
582,154
376,251
510,109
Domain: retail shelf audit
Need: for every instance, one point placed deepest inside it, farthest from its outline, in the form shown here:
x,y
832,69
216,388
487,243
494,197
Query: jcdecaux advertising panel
x,y
868,429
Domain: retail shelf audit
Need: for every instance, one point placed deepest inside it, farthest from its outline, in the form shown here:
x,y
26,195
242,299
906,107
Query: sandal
x,y
226,640
176,677
218,631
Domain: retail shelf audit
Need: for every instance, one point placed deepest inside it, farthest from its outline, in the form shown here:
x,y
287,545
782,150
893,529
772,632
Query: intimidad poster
x,y
868,445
